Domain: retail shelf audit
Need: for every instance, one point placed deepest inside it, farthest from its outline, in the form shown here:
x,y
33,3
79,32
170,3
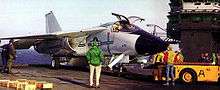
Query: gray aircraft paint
x,y
110,42
72,44
119,42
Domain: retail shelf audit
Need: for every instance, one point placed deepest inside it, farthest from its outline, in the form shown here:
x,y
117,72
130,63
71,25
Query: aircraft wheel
x,y
55,63
188,76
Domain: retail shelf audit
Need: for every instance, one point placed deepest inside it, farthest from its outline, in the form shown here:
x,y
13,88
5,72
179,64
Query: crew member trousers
x,y
169,72
4,63
97,70
10,63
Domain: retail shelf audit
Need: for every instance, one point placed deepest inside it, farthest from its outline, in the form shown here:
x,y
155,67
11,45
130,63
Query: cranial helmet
x,y
169,48
94,43
11,40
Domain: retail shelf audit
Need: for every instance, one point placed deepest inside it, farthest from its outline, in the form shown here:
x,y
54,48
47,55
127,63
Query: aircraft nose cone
x,y
148,43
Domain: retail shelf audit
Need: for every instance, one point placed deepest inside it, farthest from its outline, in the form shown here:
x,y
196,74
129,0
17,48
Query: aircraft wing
x,y
46,36
84,32
25,42
58,35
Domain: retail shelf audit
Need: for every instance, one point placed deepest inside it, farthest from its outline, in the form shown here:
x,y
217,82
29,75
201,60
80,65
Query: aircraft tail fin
x,y
51,23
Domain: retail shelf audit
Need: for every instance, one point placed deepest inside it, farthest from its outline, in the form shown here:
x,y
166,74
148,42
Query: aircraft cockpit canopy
x,y
122,26
125,24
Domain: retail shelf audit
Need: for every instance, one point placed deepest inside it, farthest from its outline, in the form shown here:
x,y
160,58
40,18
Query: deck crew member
x,y
169,66
94,57
11,55
4,56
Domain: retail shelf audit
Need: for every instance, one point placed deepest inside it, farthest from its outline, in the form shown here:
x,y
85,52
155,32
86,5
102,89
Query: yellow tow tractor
x,y
192,72
189,72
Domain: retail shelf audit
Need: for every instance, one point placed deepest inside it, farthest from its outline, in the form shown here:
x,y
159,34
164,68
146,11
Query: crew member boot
x,y
166,84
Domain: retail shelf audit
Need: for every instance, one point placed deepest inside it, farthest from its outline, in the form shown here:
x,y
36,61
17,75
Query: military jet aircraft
x,y
121,37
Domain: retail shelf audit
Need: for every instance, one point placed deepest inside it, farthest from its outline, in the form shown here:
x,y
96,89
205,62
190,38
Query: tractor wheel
x,y
188,76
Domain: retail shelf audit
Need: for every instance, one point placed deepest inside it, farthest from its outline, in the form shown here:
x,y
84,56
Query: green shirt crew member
x,y
94,57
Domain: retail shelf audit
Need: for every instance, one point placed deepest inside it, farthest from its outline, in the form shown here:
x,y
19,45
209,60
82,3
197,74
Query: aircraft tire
x,y
219,81
55,63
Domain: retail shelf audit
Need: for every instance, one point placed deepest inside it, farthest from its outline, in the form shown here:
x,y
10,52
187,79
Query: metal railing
x,y
162,35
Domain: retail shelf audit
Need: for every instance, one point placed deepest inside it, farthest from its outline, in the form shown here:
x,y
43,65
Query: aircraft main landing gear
x,y
55,63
